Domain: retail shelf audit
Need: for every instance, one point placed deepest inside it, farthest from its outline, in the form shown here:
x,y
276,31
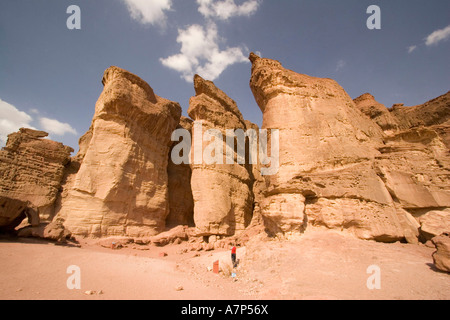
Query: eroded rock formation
x,y
121,187
343,164
331,172
223,198
31,171
415,159
377,112
441,257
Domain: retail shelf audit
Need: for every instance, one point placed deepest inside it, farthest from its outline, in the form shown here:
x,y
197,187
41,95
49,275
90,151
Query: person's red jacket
x,y
233,250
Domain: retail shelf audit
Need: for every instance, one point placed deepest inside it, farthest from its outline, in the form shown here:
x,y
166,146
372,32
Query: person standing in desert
x,y
233,256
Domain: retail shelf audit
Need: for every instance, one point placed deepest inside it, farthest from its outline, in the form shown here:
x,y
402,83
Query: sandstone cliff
x,y
329,172
343,164
415,158
377,112
223,197
31,171
121,187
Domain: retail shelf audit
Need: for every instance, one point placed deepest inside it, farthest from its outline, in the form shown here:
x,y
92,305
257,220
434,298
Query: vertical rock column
x,y
223,198
326,151
121,187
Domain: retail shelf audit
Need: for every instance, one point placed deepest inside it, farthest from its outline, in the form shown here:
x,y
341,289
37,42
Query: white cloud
x,y
225,9
340,65
438,36
200,45
11,120
200,53
411,49
55,127
149,11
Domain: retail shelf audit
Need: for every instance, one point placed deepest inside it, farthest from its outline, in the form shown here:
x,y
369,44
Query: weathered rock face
x,y
377,112
327,153
415,158
434,114
223,198
434,223
441,257
121,187
31,170
414,166
181,202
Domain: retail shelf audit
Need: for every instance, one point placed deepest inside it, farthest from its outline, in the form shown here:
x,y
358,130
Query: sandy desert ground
x,y
317,265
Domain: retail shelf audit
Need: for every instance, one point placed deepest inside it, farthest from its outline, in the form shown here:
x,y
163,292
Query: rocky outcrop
x,y
441,257
414,165
377,112
434,114
342,164
327,158
415,158
223,198
121,186
31,171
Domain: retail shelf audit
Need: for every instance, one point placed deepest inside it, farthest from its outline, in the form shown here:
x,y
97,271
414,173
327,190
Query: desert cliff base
x,y
318,265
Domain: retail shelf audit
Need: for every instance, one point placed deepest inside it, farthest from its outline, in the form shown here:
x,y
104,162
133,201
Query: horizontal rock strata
x,y
31,171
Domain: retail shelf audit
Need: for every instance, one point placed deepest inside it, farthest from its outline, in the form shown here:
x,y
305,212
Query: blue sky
x,y
50,76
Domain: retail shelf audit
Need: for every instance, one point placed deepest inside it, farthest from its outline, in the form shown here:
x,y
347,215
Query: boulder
x,y
434,223
53,231
441,257
56,231
171,236
121,186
